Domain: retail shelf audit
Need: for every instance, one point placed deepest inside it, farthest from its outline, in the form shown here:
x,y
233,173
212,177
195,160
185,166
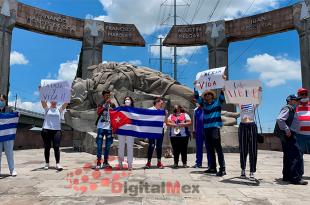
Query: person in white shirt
x,y
179,134
129,140
158,105
51,131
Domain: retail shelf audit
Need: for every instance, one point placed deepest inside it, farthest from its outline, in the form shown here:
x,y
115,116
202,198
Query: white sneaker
x,y
252,177
59,167
46,166
14,173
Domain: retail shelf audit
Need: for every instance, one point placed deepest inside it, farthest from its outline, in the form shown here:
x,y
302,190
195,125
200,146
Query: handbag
x,y
260,136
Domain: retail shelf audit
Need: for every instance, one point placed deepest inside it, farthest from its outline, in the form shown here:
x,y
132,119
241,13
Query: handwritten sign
x,y
243,92
55,90
210,79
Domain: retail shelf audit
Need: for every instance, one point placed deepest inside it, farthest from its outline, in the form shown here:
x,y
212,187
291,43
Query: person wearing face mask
x,y
179,122
285,129
303,117
122,140
7,146
51,131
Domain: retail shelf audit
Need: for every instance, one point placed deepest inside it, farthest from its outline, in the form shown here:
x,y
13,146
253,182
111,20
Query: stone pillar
x,y
302,24
218,50
7,22
91,52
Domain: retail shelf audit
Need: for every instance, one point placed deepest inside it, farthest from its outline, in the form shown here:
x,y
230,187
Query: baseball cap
x,y
292,97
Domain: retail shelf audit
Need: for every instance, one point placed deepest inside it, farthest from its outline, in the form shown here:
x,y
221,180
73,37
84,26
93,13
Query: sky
x,y
274,59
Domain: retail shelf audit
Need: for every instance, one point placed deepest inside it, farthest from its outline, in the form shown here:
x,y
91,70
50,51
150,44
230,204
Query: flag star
x,y
118,119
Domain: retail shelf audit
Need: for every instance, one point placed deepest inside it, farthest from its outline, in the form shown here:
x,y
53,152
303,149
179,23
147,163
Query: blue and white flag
x,y
137,122
8,126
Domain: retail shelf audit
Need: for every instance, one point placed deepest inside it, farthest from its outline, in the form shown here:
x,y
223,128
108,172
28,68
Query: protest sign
x,y
55,90
210,79
243,92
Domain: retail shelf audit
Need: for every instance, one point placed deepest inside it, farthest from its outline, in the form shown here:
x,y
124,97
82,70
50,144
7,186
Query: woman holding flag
x,y
179,122
128,101
6,145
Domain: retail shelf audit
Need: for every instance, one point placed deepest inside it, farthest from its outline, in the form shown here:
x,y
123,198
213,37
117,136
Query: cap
x,y
292,97
302,90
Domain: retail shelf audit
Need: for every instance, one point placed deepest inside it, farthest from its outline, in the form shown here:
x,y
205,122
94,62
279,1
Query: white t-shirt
x,y
247,111
52,118
183,130
104,121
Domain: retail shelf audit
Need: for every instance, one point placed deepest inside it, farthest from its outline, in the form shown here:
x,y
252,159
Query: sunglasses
x,y
303,94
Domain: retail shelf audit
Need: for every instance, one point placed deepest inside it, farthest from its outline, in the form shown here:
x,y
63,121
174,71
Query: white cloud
x,y
183,61
147,15
167,52
67,70
49,75
31,106
135,62
17,58
273,70
36,93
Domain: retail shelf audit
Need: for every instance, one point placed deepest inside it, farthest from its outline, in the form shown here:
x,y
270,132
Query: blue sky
x,y
273,59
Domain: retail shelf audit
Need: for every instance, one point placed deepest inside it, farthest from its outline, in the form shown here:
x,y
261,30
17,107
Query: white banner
x,y
210,79
243,92
55,90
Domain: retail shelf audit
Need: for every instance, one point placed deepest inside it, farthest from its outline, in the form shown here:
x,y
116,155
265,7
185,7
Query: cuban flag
x,y
137,122
8,126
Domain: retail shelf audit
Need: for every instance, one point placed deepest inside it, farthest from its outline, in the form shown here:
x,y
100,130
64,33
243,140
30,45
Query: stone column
x,y
91,52
218,50
7,23
302,24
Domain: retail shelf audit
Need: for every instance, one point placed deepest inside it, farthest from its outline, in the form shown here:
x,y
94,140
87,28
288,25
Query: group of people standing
x,y
292,127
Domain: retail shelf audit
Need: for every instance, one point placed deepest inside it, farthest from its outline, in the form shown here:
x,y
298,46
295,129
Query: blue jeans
x,y
7,147
200,141
108,142
304,145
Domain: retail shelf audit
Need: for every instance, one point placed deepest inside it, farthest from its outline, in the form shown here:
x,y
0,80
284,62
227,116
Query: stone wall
x,y
27,139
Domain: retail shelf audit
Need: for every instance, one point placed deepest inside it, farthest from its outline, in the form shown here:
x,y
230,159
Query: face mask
x,y
304,100
197,105
2,104
175,110
127,102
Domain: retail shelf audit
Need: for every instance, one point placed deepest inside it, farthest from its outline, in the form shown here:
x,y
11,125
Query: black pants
x,y
213,139
292,159
159,148
179,146
247,134
49,137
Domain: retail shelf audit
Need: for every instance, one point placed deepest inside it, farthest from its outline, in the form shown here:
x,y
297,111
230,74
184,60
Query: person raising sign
x,y
212,122
51,130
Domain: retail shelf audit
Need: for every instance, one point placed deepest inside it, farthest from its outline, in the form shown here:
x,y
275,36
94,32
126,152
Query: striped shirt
x,y
212,111
303,117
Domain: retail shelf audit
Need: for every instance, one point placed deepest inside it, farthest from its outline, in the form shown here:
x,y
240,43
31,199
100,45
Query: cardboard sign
x,y
243,92
210,79
55,90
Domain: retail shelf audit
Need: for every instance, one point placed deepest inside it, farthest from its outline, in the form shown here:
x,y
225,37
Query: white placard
x,y
243,92
55,90
210,79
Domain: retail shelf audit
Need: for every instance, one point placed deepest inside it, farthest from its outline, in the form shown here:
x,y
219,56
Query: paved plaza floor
x,y
79,183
